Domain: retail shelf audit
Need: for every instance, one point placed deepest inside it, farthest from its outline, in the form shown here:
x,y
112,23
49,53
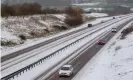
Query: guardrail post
x,y
20,73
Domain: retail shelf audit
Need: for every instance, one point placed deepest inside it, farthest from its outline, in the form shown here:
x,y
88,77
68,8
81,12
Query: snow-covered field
x,y
82,4
97,14
38,24
88,9
113,62
12,27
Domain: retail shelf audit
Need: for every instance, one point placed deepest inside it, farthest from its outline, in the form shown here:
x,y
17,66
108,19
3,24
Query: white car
x,y
66,70
114,30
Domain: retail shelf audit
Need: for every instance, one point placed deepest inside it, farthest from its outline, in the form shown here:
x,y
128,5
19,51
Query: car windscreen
x,y
65,68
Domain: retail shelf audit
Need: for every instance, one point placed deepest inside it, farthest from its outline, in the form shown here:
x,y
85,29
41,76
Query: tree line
x,y
26,9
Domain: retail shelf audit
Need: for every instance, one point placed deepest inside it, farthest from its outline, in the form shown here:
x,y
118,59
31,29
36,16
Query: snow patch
x,y
97,14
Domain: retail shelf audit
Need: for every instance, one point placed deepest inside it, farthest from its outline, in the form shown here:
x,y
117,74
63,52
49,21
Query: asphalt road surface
x,y
86,56
83,59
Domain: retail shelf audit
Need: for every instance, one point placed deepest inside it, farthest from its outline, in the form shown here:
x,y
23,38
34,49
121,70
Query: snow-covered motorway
x,y
45,51
113,62
83,57
9,54
22,57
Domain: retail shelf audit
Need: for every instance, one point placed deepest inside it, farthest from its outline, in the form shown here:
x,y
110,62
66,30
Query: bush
x,y
74,16
32,33
51,11
20,9
27,9
22,37
7,43
73,21
127,31
118,48
6,10
64,28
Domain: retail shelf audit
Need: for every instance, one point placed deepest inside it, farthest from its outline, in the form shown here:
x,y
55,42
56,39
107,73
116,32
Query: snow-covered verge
x,y
82,4
113,62
97,14
32,27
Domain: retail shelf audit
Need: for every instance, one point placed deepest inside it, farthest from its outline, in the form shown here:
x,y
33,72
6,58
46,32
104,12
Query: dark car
x,y
101,42
113,17
89,25
102,21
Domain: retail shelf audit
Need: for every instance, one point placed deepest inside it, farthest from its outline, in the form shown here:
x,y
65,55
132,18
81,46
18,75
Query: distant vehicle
x,y
101,42
102,21
113,17
66,70
114,30
89,25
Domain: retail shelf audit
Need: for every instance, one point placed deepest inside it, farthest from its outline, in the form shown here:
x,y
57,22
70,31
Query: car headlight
x,y
60,72
68,72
